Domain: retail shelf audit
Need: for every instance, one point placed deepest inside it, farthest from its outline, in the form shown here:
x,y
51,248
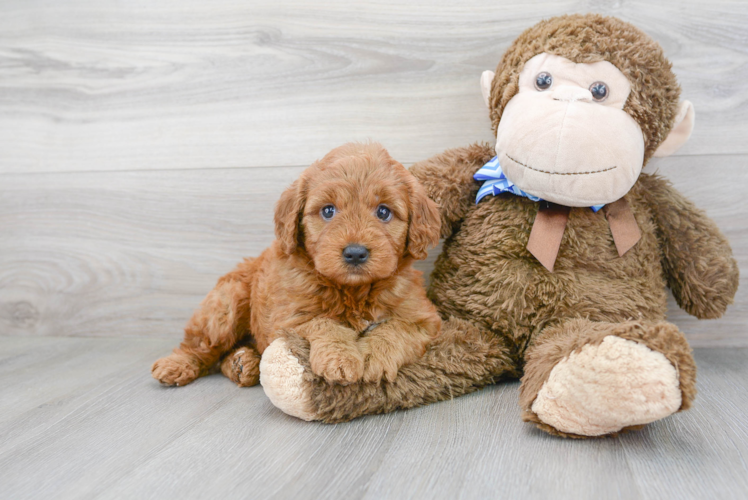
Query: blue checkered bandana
x,y
496,182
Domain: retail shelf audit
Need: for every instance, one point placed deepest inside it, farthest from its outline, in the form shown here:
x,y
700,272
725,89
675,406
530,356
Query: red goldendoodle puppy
x,y
339,274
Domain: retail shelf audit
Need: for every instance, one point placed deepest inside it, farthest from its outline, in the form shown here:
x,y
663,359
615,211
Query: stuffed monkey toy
x,y
558,249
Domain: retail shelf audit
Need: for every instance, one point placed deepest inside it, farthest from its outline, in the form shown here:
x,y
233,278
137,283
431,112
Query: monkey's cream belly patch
x,y
604,388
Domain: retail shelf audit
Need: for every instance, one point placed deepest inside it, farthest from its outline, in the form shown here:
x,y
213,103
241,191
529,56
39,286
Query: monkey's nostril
x,y
355,254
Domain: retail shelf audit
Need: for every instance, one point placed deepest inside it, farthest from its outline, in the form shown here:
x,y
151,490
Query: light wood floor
x,y
142,148
81,418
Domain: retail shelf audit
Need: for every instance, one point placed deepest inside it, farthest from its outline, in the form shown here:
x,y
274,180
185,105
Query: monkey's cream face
x,y
565,136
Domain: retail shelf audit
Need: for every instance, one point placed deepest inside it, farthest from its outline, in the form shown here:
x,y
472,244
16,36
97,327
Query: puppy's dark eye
x,y
599,91
327,212
543,81
384,214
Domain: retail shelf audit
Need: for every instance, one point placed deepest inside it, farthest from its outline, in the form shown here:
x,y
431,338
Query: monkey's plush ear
x,y
681,131
288,217
486,79
425,223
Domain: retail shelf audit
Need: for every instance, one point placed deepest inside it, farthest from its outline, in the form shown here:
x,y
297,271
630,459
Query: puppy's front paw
x,y
379,362
376,369
337,364
175,370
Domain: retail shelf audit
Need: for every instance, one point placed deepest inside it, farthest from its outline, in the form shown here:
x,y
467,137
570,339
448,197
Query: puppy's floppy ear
x,y
288,213
425,223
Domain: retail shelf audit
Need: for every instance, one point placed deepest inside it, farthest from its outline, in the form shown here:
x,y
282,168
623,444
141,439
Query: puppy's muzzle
x,y
355,255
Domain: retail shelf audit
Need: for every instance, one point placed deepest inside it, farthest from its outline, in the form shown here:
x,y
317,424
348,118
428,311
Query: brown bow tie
x,y
549,225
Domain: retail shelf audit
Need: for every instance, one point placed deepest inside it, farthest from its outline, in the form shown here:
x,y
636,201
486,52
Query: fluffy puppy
x,y
339,274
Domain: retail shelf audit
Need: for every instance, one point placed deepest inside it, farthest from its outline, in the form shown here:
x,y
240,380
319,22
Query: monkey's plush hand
x,y
696,257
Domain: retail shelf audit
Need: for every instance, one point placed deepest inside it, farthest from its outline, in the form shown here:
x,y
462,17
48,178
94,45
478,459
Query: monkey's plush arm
x,y
448,179
696,256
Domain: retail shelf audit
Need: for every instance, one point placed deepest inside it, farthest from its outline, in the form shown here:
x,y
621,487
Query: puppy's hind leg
x,y
242,365
213,330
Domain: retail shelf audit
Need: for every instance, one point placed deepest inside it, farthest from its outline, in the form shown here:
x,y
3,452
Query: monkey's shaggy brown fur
x,y
364,321
508,313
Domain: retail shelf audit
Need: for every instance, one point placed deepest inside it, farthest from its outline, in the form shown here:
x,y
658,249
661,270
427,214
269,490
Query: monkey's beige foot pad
x,y
282,379
604,388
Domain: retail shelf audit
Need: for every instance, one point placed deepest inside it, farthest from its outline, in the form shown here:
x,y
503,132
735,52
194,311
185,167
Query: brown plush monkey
x,y
558,272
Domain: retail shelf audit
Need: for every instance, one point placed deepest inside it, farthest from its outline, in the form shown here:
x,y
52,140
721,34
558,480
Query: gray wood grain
x,y
110,431
107,85
45,379
133,253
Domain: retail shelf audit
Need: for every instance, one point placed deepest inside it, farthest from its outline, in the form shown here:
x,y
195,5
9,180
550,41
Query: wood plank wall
x,y
143,144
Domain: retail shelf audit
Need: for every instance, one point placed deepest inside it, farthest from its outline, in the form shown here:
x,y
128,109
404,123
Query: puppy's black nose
x,y
355,254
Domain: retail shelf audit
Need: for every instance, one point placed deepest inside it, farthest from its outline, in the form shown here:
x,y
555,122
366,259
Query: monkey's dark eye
x,y
327,212
543,81
599,91
384,214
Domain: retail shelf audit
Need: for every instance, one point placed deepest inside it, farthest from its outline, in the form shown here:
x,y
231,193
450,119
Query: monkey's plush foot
x,y
608,383
175,369
242,366
283,379
602,389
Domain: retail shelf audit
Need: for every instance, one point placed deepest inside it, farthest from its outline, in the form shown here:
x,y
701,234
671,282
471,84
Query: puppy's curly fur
x,y
362,321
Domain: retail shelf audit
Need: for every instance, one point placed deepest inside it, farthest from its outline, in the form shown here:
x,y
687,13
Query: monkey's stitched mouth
x,y
559,173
